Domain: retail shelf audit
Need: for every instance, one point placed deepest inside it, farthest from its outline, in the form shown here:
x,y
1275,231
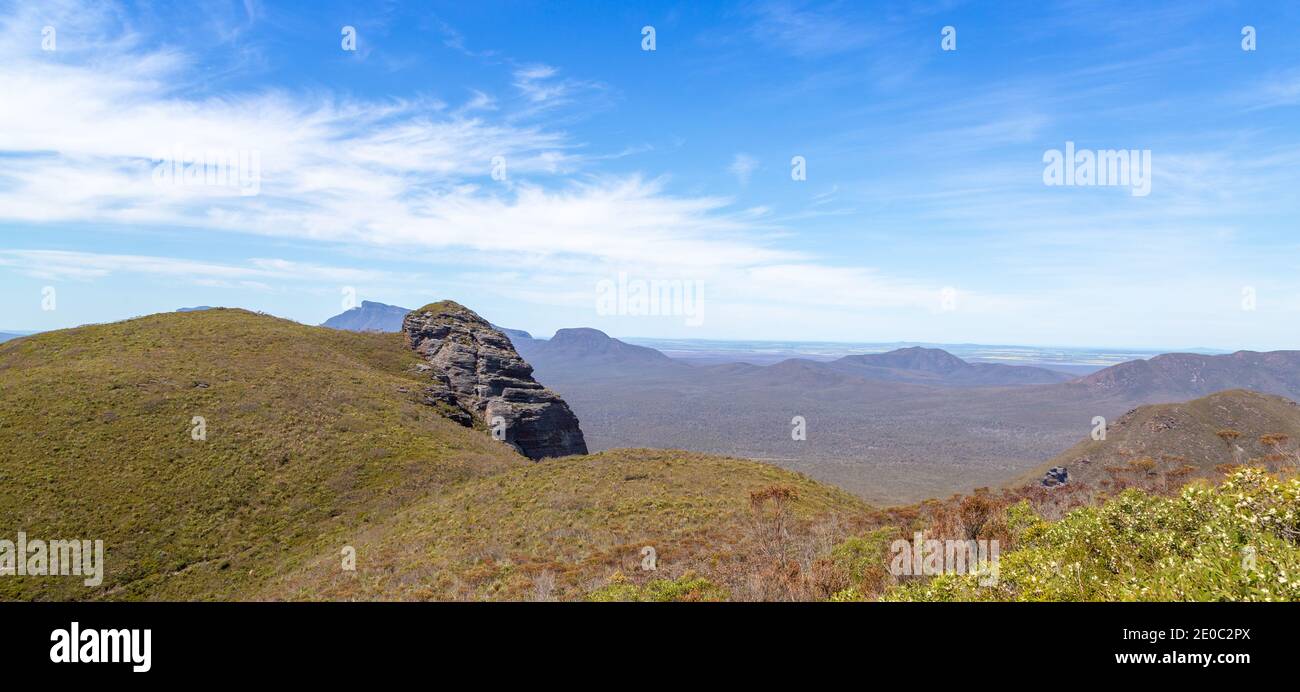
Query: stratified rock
x,y
477,376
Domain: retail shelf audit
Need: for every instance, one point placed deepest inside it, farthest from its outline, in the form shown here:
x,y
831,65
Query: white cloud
x,y
80,133
60,265
542,86
808,32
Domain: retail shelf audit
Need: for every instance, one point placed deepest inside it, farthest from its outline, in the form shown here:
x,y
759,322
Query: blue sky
x,y
924,215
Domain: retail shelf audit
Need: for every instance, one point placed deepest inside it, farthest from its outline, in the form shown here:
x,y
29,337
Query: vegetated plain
x,y
891,435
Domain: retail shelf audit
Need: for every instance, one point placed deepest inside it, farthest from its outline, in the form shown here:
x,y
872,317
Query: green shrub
x,y
1235,541
858,565
688,587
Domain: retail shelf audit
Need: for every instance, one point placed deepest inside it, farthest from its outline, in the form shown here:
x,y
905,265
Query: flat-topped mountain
x,y
381,317
369,317
593,352
921,358
937,366
1230,427
479,378
1178,376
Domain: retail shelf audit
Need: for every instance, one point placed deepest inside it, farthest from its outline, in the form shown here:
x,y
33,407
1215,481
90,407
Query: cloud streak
x,y
87,129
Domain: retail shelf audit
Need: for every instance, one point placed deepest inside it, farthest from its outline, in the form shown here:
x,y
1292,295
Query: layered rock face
x,y
477,375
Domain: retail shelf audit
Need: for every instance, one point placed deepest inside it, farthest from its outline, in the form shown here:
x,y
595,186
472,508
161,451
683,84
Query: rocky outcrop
x,y
478,378
1055,476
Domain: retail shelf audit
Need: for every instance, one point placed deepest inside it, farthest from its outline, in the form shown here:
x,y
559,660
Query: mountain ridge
x,y
1181,376
1194,438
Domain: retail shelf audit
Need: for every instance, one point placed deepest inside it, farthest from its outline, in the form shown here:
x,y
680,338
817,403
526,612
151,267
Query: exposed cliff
x,y
478,376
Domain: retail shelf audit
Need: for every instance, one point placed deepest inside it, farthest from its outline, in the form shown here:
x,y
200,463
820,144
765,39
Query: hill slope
x,y
1180,376
306,428
315,439
562,528
1185,434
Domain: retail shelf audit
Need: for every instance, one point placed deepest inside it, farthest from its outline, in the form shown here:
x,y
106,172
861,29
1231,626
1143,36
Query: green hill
x,y
1191,438
315,440
561,528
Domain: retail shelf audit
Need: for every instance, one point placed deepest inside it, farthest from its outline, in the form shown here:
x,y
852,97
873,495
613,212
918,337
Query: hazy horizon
x,y
886,178
810,346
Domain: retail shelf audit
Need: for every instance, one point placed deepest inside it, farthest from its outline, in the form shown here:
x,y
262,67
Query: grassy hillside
x,y
1191,438
314,441
563,528
308,429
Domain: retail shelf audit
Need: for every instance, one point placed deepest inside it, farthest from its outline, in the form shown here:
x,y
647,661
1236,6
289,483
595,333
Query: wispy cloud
x,y
743,166
925,166
82,140
809,30
61,265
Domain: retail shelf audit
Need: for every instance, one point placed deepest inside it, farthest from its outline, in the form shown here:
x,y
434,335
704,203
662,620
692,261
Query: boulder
x,y
476,376
1056,476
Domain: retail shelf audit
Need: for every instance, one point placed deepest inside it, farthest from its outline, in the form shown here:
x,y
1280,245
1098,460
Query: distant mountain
x,y
934,360
197,308
584,342
514,334
591,353
937,366
1179,376
370,317
1186,434
380,317
5,336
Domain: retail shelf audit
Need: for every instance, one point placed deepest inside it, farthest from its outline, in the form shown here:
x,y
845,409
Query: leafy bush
x,y
857,566
687,587
1235,541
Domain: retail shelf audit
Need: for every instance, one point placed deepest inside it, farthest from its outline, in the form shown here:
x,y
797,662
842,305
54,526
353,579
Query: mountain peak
x,y
446,306
589,342
913,358
368,317
580,335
